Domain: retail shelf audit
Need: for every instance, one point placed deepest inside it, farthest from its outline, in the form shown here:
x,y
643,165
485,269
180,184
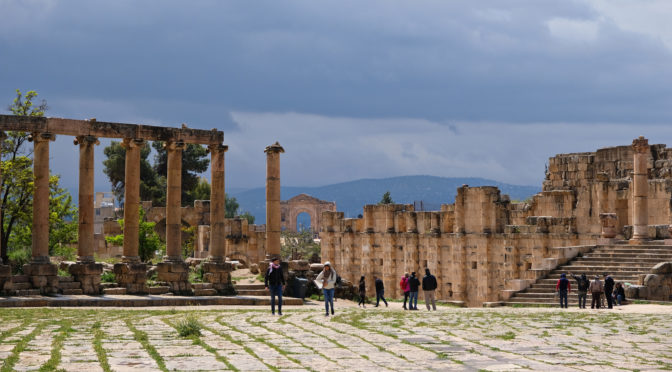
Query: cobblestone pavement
x,y
354,340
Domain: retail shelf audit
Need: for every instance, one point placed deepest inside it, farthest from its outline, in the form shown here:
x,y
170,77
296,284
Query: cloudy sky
x,y
353,89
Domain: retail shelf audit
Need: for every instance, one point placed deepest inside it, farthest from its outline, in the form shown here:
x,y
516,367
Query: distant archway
x,y
290,210
303,221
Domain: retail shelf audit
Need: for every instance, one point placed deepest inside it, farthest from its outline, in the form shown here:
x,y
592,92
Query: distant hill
x,y
350,197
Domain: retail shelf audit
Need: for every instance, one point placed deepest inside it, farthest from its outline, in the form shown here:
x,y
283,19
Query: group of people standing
x,y
409,285
613,292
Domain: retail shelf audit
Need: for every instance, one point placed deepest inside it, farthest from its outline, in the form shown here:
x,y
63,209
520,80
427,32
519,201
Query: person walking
x,y
362,292
595,289
274,281
380,290
582,283
563,288
429,285
328,280
413,285
608,290
403,284
619,293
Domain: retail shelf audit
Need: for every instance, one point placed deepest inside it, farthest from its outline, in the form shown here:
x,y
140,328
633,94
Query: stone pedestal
x,y
88,274
132,276
176,276
609,225
5,279
219,274
43,276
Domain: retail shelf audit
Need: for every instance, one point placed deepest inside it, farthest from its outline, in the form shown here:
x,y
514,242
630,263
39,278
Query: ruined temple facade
x,y
483,247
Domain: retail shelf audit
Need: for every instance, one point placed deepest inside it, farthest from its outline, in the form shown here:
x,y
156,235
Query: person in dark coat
x,y
275,282
619,293
582,284
429,285
563,287
608,289
362,292
380,291
414,285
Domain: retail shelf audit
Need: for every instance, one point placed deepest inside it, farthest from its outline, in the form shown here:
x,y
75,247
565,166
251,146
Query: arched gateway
x,y
304,203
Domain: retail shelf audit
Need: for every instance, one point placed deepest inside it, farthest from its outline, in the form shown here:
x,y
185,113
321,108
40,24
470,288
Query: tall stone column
x,y
640,192
86,271
216,270
273,216
174,271
131,273
5,270
43,274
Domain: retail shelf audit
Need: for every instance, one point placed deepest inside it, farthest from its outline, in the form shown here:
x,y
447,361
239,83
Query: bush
x,y
107,277
65,252
18,258
188,327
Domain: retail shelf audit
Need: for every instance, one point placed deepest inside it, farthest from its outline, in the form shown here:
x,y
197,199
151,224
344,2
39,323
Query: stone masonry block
x,y
5,271
86,269
40,269
299,265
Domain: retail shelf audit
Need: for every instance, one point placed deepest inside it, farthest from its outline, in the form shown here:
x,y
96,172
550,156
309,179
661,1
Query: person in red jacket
x,y
405,287
563,287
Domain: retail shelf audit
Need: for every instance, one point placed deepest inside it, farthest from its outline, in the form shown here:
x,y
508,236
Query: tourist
x,y
328,279
582,284
595,290
403,284
274,281
362,292
608,290
429,286
380,290
414,285
619,293
563,287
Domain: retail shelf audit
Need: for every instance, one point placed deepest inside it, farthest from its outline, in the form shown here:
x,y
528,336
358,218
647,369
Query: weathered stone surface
x,y
662,268
299,265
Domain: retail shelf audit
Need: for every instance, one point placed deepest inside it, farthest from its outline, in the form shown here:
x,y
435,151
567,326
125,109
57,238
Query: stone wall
x,y
483,247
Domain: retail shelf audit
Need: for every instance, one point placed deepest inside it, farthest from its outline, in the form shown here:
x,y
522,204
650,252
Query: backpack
x,y
403,284
338,280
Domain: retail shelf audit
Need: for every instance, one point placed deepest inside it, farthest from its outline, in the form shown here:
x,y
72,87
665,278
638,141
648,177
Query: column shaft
x,y
3,135
40,252
640,191
132,199
273,216
217,203
174,201
85,242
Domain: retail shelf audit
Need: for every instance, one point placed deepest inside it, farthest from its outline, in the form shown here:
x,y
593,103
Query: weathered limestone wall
x,y
483,247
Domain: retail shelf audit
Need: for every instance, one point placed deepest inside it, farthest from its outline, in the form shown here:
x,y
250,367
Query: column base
x,y
88,274
131,259
219,274
6,286
132,276
176,275
638,241
43,276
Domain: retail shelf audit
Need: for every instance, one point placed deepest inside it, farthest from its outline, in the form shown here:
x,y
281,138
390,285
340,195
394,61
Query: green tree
x,y
299,245
202,190
17,189
386,199
149,241
231,206
152,186
194,162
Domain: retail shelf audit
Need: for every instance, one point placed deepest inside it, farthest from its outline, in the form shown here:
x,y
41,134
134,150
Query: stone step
x,y
114,291
196,286
73,291
136,301
602,269
205,292
158,290
252,292
21,286
602,261
28,292
65,279
70,285
249,286
635,250
108,285
20,279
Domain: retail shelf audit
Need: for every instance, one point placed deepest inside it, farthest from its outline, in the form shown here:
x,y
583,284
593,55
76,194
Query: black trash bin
x,y
299,287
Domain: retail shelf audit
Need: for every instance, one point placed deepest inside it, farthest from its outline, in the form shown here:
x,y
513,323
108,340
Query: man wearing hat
x,y
275,282
595,289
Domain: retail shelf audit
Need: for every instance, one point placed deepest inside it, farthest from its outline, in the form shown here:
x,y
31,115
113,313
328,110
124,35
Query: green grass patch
x,y
188,326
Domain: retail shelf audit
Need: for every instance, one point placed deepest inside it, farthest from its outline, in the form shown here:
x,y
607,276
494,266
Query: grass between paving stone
x,y
233,341
141,337
246,348
8,365
271,345
57,345
98,347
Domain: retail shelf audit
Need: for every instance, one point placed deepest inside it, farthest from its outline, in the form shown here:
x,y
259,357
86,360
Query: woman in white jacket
x,y
328,280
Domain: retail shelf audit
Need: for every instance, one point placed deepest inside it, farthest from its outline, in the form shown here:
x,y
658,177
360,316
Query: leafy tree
x,y
202,190
149,241
298,245
152,187
16,217
247,215
194,162
231,207
387,199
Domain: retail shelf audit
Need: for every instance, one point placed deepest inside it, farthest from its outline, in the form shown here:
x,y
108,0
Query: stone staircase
x,y
250,290
69,286
625,263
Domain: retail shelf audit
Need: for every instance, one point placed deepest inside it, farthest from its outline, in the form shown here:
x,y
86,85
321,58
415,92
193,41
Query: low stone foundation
x,y
132,276
5,279
176,276
88,274
43,276
219,274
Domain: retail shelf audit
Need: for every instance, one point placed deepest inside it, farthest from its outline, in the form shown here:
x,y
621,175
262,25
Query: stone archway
x,y
243,258
304,203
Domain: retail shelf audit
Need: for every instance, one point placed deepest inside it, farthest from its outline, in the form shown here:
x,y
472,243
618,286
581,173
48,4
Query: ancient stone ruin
x,y
485,248
304,203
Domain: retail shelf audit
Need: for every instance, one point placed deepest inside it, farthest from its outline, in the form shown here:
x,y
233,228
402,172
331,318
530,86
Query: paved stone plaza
x,y
635,337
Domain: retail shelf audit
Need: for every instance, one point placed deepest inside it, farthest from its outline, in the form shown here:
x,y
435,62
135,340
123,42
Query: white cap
x,y
327,264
